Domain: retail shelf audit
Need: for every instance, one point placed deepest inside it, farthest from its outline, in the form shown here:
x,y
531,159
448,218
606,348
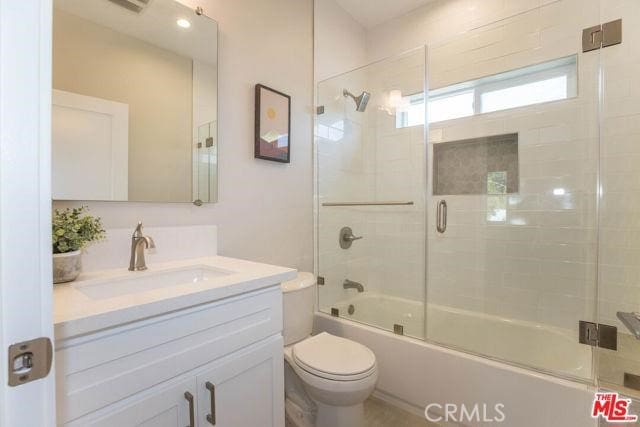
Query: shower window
x,y
550,81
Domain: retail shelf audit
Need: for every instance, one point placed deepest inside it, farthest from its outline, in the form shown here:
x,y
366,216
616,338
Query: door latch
x,y
29,361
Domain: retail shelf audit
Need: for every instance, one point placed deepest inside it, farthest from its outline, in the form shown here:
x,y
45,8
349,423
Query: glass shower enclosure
x,y
485,197
371,198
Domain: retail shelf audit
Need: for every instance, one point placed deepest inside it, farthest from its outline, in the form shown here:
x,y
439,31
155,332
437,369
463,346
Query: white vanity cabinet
x,y
226,354
163,406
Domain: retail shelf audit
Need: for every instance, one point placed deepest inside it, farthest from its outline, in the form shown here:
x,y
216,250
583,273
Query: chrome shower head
x,y
361,101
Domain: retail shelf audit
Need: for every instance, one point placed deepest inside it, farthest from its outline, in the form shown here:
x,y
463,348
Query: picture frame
x,y
272,125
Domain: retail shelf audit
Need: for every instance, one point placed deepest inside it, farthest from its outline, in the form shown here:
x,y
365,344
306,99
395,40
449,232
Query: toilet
x,y
327,378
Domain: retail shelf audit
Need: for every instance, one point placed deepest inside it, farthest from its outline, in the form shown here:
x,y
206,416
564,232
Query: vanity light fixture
x,y
183,23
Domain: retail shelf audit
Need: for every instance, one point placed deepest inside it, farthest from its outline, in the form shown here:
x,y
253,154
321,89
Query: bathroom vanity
x,y
186,343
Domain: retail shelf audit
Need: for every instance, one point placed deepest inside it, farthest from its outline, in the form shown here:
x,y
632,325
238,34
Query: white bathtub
x,y
415,373
519,342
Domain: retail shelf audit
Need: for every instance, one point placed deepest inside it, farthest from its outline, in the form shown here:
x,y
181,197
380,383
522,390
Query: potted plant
x,y
72,230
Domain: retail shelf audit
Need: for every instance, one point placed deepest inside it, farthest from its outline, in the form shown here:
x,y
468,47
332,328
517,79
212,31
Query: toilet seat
x,y
334,358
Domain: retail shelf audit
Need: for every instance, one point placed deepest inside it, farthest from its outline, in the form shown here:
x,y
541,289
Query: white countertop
x,y
75,313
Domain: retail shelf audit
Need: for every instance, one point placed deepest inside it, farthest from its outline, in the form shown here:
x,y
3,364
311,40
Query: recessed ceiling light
x,y
183,23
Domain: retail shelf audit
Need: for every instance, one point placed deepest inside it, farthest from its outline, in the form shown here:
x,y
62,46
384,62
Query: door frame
x,y
25,202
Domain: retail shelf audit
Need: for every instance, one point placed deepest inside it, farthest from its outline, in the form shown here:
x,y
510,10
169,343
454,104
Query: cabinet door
x,y
162,406
244,389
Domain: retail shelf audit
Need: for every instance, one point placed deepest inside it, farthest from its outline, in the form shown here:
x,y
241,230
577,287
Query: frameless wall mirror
x,y
134,115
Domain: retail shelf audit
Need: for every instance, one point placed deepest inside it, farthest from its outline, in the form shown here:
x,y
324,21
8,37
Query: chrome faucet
x,y
138,244
350,284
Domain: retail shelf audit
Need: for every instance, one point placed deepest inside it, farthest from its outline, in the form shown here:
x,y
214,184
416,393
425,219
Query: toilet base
x,y
340,416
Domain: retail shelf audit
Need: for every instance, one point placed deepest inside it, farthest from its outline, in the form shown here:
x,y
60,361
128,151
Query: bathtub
x,y
518,342
415,373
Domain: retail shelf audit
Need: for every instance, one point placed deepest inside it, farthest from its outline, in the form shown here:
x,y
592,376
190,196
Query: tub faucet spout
x,y
350,284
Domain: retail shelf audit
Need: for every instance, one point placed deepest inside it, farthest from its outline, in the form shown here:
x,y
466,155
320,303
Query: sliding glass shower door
x,y
371,192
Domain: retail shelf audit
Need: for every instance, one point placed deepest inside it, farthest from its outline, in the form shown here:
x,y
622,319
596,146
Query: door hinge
x,y
598,335
29,361
600,36
320,280
320,109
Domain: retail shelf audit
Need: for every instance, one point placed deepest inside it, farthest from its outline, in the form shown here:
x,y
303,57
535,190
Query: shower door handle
x,y
441,216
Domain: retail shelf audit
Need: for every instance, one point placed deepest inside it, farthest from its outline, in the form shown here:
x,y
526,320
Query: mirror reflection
x,y
134,114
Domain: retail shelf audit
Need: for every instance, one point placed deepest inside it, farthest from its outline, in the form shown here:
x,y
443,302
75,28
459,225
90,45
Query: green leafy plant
x,y
72,229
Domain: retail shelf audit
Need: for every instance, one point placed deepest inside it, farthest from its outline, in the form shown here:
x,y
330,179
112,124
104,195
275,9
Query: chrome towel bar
x,y
367,203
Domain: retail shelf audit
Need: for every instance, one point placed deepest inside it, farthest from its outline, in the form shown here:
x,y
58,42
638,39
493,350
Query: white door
x,y
244,389
25,204
162,406
90,148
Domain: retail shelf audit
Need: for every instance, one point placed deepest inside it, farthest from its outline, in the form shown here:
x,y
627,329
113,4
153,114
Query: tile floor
x,y
381,414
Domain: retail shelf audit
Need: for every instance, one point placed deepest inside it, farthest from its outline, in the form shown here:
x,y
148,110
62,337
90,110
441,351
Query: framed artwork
x,y
273,125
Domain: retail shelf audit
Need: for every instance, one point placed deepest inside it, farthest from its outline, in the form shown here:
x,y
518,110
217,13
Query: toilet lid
x,y
332,357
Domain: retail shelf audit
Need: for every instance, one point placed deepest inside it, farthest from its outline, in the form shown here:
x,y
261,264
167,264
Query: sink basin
x,y
146,281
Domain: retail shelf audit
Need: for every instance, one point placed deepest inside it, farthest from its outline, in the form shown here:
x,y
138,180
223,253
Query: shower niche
x,y
486,165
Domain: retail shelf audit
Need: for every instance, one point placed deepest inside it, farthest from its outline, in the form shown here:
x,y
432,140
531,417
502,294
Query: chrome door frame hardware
x,y
211,418
598,335
320,281
320,109
335,312
29,361
441,216
599,36
398,329
346,237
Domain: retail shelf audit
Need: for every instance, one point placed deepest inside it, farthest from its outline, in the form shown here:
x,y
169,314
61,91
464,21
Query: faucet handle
x,y
138,231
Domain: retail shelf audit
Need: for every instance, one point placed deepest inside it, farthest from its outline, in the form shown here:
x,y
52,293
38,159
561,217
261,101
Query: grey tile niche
x,y
487,165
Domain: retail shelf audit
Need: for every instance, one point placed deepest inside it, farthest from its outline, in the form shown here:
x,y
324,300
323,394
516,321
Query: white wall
x,y
265,208
340,41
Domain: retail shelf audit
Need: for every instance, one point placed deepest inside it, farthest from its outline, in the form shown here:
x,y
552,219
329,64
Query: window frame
x,y
565,66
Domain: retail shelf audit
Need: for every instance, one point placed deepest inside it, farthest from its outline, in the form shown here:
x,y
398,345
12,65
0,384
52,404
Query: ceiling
x,y
156,24
370,13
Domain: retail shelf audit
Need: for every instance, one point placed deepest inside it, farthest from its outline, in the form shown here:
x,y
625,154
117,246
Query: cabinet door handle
x,y
212,390
192,412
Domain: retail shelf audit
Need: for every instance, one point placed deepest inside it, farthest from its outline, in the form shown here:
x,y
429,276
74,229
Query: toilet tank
x,y
298,298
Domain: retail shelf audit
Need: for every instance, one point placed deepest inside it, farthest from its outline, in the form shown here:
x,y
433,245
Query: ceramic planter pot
x,y
67,266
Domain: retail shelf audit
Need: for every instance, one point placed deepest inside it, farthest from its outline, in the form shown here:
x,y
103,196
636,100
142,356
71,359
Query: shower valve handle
x,y
347,237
